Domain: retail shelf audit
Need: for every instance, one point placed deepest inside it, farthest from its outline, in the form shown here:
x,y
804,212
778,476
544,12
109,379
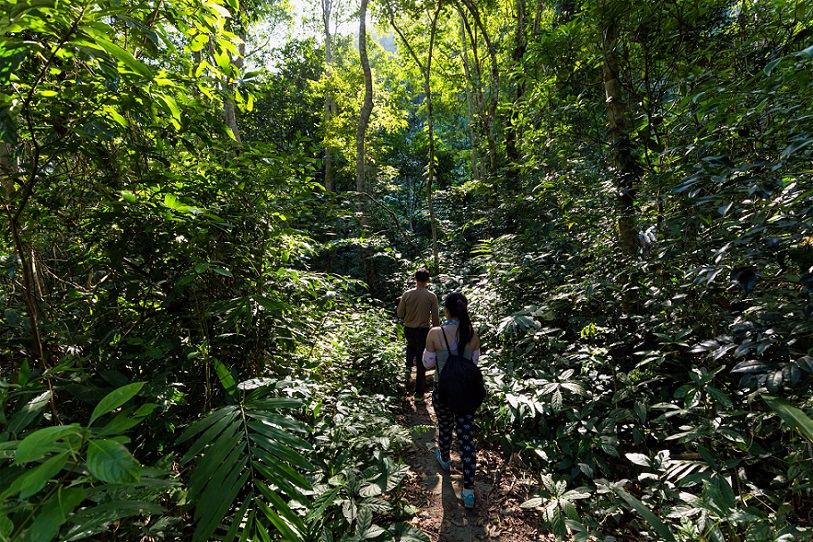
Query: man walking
x,y
419,309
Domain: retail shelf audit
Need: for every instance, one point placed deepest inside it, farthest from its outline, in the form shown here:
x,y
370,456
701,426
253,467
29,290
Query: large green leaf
x,y
53,514
126,419
6,527
94,519
212,506
218,460
33,480
226,378
408,533
59,438
276,434
112,462
30,412
125,57
321,504
115,399
211,426
245,449
284,476
791,415
660,527
288,523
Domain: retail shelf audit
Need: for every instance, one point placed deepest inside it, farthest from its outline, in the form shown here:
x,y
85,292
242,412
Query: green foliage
x,y
359,347
249,460
148,256
558,506
651,368
69,482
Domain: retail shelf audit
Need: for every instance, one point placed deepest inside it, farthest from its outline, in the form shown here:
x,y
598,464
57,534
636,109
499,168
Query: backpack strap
x,y
442,332
445,340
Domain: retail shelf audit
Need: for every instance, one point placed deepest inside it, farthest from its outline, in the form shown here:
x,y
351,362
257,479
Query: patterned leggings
x,y
464,425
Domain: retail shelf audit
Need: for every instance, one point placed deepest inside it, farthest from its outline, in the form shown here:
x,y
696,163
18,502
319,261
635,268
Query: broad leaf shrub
x,y
302,458
693,356
688,450
351,374
76,481
345,373
644,407
358,346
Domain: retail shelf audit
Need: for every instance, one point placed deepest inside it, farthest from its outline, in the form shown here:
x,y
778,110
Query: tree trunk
x,y
366,110
490,114
624,166
230,118
430,170
475,167
229,111
15,200
426,70
330,105
511,130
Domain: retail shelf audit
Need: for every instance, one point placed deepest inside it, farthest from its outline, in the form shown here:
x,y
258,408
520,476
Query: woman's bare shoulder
x,y
432,338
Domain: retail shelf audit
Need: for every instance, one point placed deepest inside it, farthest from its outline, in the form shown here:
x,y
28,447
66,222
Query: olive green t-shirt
x,y
419,308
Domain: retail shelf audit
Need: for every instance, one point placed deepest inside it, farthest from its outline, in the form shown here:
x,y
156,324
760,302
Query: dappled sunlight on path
x,y
436,494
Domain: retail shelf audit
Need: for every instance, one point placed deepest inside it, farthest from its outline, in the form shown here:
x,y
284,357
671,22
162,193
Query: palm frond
x,y
247,462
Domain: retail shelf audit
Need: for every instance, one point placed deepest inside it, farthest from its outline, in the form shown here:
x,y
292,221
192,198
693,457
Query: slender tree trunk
x,y
9,169
493,91
475,167
426,70
229,111
230,118
330,104
511,129
537,26
430,173
365,111
490,114
624,165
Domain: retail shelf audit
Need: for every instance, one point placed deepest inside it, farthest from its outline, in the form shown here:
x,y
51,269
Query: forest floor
x,y
500,488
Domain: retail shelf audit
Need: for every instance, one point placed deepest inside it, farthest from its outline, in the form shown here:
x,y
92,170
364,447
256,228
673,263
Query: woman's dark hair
x,y
458,307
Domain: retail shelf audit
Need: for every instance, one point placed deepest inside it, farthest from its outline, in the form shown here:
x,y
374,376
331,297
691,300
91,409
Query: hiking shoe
x,y
468,498
445,465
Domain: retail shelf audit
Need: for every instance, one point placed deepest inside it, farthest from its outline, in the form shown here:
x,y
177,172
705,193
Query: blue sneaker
x,y
445,465
468,498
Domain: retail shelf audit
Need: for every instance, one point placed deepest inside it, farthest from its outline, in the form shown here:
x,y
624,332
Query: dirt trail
x,y
499,490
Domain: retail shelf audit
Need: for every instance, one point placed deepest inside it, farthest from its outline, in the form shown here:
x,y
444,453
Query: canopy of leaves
x,y
198,338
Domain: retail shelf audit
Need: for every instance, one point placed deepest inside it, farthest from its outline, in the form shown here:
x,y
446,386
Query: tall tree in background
x,y
270,13
488,94
330,20
471,96
625,168
83,91
425,68
366,109
517,78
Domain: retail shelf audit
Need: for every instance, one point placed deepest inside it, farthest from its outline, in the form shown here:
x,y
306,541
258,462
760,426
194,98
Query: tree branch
x,y
392,214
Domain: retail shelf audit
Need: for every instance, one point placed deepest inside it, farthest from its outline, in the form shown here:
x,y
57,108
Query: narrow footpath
x,y
500,489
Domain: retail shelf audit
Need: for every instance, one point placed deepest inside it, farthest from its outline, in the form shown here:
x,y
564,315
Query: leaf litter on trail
x,y
496,515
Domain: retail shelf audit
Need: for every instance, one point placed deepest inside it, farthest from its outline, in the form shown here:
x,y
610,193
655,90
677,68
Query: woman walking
x,y
456,335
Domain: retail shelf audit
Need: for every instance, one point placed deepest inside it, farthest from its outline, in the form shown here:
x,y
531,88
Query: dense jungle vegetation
x,y
210,208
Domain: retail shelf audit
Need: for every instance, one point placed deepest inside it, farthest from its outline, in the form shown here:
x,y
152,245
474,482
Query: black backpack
x,y
460,385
